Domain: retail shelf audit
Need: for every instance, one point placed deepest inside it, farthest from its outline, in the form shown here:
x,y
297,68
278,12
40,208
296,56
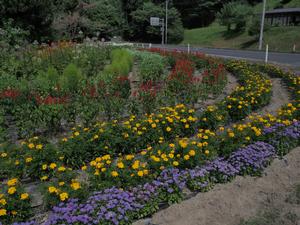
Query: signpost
x,y
157,22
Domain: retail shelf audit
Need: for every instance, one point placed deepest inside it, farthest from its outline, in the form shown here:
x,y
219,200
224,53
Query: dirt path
x,y
243,198
232,83
280,97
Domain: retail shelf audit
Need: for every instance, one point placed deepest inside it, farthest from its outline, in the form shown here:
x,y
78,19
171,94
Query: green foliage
x,y
121,63
151,66
234,13
11,35
141,29
254,27
32,15
72,79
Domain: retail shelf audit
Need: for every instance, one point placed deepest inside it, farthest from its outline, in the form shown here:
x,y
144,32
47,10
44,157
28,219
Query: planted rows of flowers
x,y
57,86
135,166
32,161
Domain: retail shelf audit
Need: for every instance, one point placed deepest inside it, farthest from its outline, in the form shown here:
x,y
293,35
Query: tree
x,y
234,13
33,15
143,31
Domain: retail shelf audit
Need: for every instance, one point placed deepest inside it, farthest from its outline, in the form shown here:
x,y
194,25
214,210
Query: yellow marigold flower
x,y
12,182
3,201
28,160
175,163
3,155
103,169
75,186
171,145
186,157
183,143
65,139
168,129
192,152
39,147
247,138
136,164
231,134
83,168
114,173
11,190
52,166
129,157
14,212
61,169
31,145
44,167
61,183
206,152
24,196
3,212
17,162
52,189
76,133
44,178
140,173
153,125
120,165
63,196
229,106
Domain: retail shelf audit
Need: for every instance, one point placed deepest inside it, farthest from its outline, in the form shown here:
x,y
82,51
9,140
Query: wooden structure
x,y
283,17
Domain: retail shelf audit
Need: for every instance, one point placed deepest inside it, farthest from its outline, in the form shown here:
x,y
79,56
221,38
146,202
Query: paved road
x,y
289,59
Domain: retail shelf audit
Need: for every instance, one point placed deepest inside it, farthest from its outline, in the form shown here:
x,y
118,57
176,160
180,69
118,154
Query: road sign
x,y
155,21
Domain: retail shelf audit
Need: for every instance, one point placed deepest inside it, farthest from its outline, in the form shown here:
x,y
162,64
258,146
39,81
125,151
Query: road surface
x,y
288,59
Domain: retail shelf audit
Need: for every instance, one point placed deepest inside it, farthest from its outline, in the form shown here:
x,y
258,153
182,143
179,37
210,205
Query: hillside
x,y
278,38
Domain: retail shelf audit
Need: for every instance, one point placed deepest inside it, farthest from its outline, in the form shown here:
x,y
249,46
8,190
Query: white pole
x,y
150,45
294,48
267,53
189,49
262,25
166,36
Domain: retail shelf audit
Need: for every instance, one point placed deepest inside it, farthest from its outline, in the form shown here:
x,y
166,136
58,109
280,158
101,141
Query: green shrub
x,y
121,63
151,66
71,79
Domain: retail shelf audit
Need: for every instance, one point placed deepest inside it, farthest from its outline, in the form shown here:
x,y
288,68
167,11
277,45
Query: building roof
x,y
287,10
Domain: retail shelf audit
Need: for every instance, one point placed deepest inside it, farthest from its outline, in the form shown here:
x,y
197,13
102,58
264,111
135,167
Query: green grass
x,y
292,4
278,38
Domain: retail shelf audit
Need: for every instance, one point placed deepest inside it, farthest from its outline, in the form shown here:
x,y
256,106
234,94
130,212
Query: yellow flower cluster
x,y
61,191
8,199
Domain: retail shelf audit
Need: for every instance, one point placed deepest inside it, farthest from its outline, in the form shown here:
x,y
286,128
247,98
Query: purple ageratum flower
x,y
273,129
292,131
24,223
113,205
254,157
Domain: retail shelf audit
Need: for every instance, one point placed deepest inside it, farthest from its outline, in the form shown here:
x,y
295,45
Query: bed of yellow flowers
x,y
130,152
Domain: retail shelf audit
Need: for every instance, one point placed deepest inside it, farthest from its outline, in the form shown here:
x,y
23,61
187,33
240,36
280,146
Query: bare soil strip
x,y
243,198
280,97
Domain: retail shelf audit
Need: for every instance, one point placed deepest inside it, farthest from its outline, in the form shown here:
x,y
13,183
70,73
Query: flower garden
x,y
110,135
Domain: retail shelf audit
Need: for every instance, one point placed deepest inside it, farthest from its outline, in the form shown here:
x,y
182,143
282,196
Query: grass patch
x,y
279,38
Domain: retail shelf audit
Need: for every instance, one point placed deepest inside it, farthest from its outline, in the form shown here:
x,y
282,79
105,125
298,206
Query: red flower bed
x,y
183,71
10,93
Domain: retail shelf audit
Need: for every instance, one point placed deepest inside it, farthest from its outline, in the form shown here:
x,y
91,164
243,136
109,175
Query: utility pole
x,y
166,36
262,25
